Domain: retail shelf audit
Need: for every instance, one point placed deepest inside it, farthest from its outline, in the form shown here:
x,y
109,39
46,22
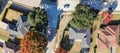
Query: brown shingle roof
x,y
108,37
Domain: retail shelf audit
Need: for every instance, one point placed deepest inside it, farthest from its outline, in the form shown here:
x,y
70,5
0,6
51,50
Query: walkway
x,y
96,27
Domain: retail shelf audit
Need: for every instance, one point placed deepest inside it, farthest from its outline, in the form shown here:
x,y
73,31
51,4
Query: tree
x,y
83,17
60,50
38,19
33,42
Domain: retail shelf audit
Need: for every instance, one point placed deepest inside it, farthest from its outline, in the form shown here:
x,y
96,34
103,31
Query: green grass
x,y
116,17
3,37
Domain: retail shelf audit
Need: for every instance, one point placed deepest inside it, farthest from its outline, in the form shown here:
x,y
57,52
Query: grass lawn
x,y
12,14
4,35
116,17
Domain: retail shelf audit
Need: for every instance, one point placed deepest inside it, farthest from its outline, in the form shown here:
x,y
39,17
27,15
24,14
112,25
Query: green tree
x,y
83,17
38,19
33,42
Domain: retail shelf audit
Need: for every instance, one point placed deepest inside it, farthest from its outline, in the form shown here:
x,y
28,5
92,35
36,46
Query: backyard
x,y
12,15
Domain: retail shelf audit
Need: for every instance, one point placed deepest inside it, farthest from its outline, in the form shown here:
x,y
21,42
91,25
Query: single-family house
x,y
22,26
108,37
82,35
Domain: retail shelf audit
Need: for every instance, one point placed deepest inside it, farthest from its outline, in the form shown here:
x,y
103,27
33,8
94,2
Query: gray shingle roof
x,y
22,27
83,34
75,33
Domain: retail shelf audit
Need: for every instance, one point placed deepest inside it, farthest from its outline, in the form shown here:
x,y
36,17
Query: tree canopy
x,y
83,17
38,18
33,42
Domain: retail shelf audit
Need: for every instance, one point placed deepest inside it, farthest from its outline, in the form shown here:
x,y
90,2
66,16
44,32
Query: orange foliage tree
x,y
60,50
33,42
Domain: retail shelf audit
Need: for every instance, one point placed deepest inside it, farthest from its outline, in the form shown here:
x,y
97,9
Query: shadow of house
x,y
12,46
65,43
20,28
82,35
114,22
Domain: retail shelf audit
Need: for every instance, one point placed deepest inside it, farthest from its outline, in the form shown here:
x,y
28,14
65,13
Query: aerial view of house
x,y
59,26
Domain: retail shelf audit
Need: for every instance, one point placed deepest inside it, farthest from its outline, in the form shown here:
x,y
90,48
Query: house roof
x,y
108,36
75,33
20,28
31,3
83,34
